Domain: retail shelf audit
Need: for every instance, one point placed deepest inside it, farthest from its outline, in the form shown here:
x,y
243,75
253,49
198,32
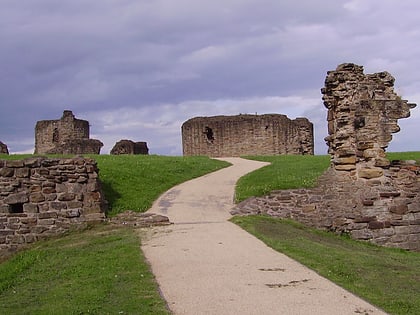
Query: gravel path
x,y
207,265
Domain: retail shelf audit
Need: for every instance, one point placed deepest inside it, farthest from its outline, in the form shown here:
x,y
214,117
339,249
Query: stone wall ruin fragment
x,y
130,147
3,148
362,193
41,197
67,135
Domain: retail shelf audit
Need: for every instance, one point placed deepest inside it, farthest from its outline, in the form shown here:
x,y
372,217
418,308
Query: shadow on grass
x,y
111,196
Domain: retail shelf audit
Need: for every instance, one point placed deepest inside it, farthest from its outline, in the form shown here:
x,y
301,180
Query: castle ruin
x,y
3,148
270,134
67,135
130,147
362,193
41,197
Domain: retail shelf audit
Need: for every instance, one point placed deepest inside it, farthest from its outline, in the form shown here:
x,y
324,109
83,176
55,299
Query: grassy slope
x,y
285,171
292,171
133,182
98,271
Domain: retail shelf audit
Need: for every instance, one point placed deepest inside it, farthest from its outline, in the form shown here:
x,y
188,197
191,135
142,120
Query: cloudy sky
x,y
137,69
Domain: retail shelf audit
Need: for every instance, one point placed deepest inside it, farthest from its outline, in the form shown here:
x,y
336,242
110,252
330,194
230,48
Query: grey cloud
x,y
200,57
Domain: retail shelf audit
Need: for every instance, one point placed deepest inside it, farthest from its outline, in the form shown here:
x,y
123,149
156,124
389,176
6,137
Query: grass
x,y
388,278
98,271
284,172
404,156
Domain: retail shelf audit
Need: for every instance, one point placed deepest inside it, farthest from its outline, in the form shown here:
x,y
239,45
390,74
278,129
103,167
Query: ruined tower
x,y
270,134
362,115
67,135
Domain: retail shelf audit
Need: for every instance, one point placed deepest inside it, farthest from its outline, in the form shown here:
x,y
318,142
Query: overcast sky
x,y
137,69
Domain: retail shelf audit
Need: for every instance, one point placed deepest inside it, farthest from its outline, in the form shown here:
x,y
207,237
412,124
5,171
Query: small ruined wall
x,y
3,148
363,193
40,197
270,134
384,215
67,135
130,147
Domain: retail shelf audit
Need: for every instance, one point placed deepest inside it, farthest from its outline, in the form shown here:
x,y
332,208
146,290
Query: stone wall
x,y
67,135
362,114
3,148
362,193
384,215
130,147
40,197
270,134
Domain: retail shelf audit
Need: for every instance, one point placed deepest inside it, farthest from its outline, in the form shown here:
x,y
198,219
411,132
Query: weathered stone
x,y
345,160
368,202
72,213
58,205
345,167
6,172
48,190
382,162
399,209
22,172
66,197
21,197
47,215
387,194
132,218
30,208
14,163
36,197
365,219
369,173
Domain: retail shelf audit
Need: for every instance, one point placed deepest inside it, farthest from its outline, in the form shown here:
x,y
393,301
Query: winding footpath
x,y
206,265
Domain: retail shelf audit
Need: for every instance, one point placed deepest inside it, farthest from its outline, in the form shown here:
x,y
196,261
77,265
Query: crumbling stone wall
x,y
130,147
67,135
40,197
270,134
362,114
3,148
362,193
